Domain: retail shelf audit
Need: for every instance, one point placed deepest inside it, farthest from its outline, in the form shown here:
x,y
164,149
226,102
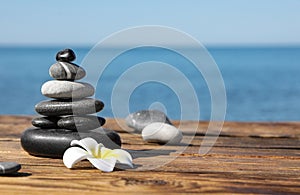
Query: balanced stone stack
x,y
67,117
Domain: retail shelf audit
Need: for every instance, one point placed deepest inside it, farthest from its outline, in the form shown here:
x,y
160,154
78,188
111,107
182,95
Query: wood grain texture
x,y
248,158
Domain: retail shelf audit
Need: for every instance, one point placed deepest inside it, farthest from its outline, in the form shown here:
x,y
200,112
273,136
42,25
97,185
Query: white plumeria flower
x,y
102,158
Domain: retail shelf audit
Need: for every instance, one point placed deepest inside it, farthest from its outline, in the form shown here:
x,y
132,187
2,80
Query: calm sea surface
x,y
262,83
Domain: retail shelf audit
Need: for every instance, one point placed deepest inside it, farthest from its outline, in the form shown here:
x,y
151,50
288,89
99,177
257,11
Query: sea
x,y
262,83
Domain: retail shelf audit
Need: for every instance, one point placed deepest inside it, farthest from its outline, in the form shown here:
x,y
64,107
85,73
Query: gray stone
x,y
140,119
54,142
162,133
9,168
81,123
45,122
69,107
66,71
67,89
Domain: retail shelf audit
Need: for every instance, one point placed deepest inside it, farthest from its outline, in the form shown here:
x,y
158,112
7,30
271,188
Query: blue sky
x,y
212,22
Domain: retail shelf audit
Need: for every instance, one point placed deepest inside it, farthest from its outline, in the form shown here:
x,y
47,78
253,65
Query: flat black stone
x,y
69,107
45,122
66,55
140,119
81,123
53,143
9,168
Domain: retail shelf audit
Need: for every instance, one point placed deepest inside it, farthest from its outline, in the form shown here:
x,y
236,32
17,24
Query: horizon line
x,y
218,45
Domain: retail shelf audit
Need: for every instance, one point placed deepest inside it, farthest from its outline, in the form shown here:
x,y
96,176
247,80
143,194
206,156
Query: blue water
x,y
262,83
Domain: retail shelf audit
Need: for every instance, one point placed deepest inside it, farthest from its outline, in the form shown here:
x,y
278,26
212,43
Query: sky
x,y
212,22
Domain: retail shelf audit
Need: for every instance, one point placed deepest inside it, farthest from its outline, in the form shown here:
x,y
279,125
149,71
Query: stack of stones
x,y
67,117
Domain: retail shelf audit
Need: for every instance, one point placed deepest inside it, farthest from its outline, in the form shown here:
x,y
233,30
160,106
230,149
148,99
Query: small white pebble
x,y
161,133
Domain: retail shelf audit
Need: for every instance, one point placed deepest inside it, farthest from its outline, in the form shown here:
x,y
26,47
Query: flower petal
x,y
73,155
123,157
106,165
87,143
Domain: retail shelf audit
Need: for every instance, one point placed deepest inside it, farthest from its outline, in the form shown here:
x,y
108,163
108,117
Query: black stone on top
x,y
66,55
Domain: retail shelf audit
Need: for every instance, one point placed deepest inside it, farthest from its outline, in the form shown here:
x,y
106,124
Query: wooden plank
x,y
249,158
11,125
230,129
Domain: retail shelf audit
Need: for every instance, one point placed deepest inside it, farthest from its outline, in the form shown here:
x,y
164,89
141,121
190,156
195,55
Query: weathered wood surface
x,y
248,158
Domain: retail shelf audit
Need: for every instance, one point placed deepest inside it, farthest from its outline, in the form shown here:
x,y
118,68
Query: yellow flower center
x,y
104,153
